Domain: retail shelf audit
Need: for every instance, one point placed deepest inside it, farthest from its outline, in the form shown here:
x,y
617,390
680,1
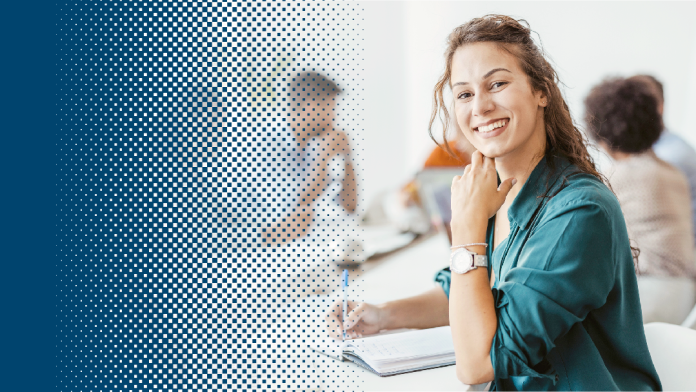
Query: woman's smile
x,y
492,129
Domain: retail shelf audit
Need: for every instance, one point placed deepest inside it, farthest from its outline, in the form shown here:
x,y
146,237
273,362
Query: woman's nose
x,y
483,104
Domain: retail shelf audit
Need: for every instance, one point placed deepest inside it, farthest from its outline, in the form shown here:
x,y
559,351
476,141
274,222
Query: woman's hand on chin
x,y
476,196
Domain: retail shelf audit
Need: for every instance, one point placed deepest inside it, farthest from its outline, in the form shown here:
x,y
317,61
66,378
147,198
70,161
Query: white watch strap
x,y
480,261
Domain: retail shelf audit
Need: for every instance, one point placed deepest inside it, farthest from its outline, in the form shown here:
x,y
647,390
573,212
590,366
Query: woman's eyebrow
x,y
489,73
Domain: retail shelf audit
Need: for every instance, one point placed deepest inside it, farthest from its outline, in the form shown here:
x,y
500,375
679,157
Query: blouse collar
x,y
550,173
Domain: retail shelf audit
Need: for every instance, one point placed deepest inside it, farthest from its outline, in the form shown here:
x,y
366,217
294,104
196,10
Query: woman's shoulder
x,y
586,210
582,187
582,193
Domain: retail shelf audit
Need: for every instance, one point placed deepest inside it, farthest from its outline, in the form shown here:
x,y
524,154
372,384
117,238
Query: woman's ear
x,y
543,99
542,95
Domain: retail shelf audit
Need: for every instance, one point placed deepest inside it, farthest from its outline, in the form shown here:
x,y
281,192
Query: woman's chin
x,y
491,152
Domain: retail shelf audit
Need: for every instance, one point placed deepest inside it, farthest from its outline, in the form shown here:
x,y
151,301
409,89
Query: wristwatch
x,y
463,261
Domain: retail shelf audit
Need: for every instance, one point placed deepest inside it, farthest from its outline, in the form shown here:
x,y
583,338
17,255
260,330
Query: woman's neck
x,y
520,165
519,170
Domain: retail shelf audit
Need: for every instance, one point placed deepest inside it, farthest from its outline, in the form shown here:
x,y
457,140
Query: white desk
x,y
405,273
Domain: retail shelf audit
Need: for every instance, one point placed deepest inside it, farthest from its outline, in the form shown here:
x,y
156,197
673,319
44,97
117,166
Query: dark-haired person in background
x,y
320,183
670,147
623,116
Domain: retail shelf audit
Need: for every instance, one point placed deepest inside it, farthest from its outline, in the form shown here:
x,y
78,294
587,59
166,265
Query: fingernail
x,y
514,181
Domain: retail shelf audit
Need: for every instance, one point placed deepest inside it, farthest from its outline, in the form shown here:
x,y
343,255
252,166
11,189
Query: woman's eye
x,y
464,95
499,84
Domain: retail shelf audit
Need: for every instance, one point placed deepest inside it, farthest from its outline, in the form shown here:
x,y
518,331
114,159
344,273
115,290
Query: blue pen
x,y
344,287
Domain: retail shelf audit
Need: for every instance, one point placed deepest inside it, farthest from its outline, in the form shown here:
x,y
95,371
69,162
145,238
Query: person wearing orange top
x,y
460,156
439,157
406,209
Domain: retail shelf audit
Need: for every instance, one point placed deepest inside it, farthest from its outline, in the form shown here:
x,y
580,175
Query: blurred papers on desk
x,y
370,241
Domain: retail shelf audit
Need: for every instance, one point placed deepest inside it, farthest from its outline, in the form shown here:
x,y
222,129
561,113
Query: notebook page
x,y
411,364
405,345
335,348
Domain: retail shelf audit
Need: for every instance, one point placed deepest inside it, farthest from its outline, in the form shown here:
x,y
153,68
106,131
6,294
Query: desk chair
x,y
673,351
690,321
666,299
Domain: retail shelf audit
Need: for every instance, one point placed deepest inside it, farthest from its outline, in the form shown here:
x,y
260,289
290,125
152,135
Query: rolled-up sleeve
x,y
443,278
565,269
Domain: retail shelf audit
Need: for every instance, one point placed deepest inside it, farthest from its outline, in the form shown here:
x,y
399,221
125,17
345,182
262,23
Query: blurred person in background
x,y
623,115
317,185
670,147
455,152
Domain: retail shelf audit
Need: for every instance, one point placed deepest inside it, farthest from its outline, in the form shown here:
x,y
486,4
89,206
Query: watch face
x,y
462,261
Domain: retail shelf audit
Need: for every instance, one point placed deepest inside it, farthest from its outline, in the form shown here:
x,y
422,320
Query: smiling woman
x,y
557,308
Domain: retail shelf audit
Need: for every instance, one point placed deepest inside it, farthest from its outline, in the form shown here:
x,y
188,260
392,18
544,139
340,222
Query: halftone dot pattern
x,y
148,286
177,171
302,168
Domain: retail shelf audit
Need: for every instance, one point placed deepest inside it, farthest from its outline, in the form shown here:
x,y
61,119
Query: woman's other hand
x,y
476,196
363,319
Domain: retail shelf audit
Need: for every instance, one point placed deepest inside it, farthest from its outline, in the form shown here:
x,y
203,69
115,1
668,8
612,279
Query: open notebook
x,y
396,353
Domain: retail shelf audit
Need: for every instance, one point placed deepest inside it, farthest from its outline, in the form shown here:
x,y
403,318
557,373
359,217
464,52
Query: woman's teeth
x,y
490,127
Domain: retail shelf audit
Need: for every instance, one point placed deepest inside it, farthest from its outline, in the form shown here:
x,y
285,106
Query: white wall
x,y
588,41
384,163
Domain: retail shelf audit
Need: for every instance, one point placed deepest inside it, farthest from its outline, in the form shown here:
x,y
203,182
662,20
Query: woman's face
x,y
495,106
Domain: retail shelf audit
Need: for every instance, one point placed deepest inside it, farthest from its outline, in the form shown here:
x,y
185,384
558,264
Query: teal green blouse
x,y
565,290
